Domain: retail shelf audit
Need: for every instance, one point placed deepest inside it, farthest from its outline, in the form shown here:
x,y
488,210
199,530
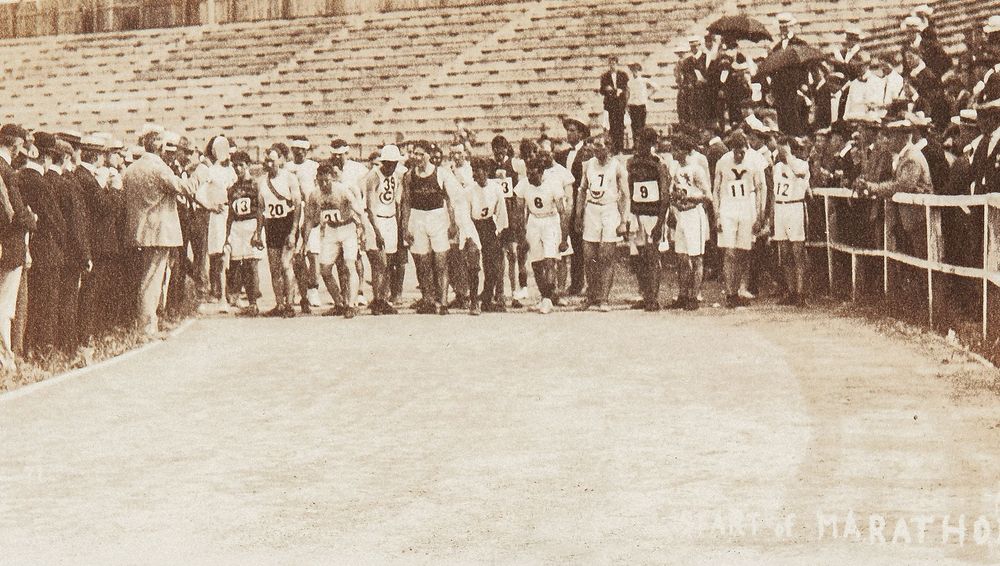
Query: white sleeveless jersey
x,y
275,207
383,200
738,181
541,200
791,181
484,202
305,173
602,181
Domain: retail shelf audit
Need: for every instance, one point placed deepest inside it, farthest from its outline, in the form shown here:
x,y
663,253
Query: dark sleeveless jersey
x,y
426,193
644,185
244,200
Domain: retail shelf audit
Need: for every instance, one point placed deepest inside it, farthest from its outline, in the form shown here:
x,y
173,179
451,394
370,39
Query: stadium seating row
x,y
508,68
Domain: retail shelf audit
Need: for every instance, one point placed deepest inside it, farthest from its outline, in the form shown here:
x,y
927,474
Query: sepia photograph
x,y
581,282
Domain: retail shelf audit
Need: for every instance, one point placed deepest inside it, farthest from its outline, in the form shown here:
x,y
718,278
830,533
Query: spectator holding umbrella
x,y
788,72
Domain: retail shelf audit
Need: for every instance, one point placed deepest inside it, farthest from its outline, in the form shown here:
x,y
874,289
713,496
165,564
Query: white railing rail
x,y
933,262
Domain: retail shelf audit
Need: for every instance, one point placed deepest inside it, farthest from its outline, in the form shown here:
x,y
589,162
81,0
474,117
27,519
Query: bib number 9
x,y
646,191
277,210
331,216
241,206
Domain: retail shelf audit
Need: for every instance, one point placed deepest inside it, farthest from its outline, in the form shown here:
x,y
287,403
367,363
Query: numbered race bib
x,y
241,206
388,193
782,189
506,186
646,191
331,216
738,190
277,210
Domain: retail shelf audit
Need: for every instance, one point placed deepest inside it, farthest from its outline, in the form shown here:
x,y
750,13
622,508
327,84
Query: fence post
x,y
829,249
930,270
854,276
885,248
986,267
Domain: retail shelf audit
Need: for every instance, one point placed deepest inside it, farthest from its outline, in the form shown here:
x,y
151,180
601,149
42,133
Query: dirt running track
x,y
619,438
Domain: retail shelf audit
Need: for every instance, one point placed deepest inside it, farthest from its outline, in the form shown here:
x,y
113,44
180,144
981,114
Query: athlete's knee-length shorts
x,y
692,232
737,226
388,228
600,223
543,235
789,222
430,231
337,240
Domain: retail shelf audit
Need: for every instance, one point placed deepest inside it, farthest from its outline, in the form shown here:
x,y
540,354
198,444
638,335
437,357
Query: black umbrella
x,y
739,27
793,56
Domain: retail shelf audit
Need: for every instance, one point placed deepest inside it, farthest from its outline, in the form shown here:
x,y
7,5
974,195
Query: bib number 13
x,y
241,206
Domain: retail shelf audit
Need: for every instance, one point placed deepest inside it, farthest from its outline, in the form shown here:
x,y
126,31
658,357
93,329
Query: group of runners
x,y
468,222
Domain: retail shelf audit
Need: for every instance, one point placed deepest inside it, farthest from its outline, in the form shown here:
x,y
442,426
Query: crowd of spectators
x,y
911,119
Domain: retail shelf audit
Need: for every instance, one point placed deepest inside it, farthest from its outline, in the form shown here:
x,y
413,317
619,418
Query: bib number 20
x,y
276,210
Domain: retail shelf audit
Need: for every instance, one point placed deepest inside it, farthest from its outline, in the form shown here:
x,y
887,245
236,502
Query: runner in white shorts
x,y
649,185
382,186
336,210
692,192
791,189
739,197
305,263
603,210
545,228
429,222
280,198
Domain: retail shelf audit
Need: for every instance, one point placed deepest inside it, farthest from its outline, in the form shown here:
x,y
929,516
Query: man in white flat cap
x,y
305,264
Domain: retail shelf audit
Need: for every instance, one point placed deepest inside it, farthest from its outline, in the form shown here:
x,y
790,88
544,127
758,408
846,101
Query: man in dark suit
x,y
926,46
614,88
693,72
986,159
785,83
12,140
104,207
573,159
76,250
46,246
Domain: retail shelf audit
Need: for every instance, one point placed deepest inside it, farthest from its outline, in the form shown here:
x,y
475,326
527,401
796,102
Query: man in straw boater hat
x,y
910,174
986,159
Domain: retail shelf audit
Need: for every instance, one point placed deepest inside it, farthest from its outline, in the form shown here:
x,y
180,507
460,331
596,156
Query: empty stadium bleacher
x,y
507,68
